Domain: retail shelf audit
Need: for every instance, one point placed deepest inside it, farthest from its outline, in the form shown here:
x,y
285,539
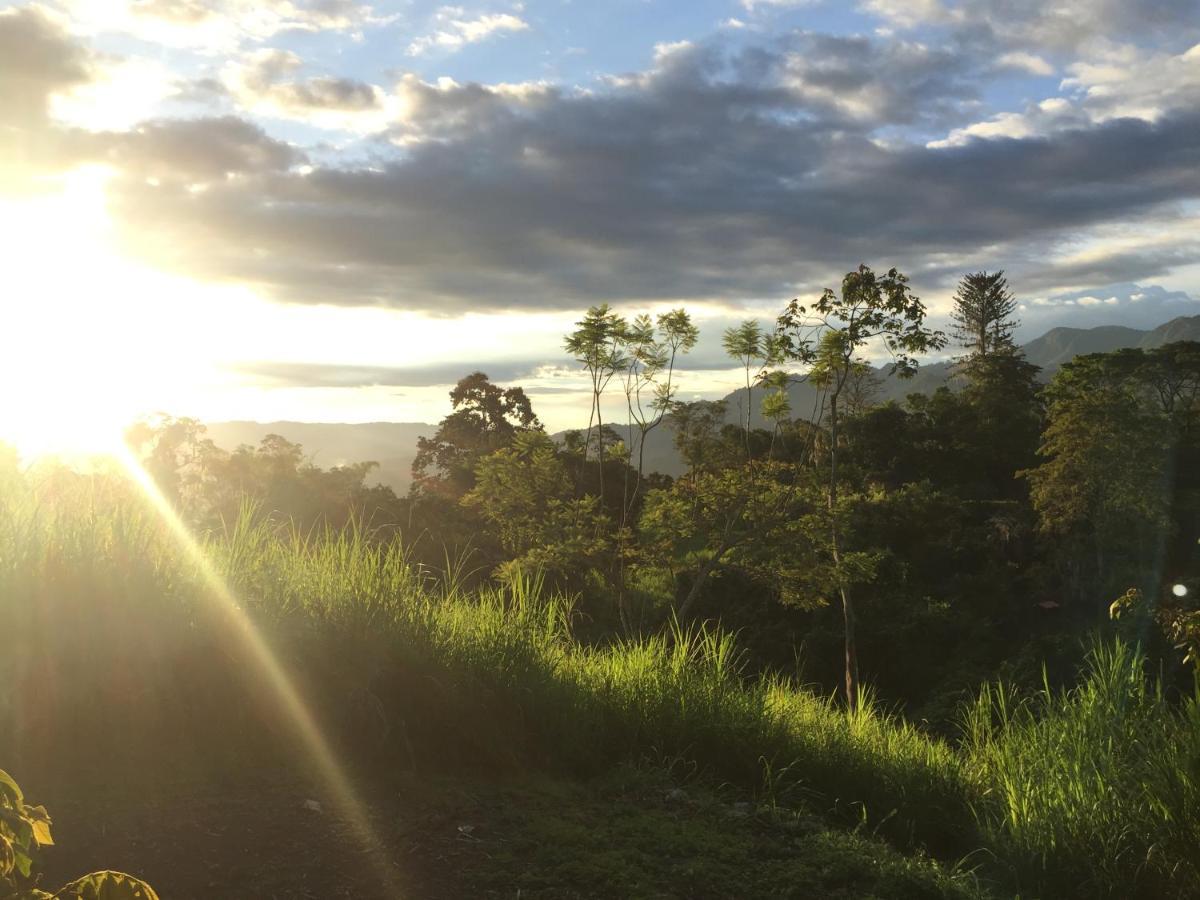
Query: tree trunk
x,y
848,619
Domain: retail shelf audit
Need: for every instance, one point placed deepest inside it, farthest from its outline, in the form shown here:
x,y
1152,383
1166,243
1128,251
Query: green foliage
x,y
525,492
486,418
1101,489
1092,791
984,314
24,829
1077,790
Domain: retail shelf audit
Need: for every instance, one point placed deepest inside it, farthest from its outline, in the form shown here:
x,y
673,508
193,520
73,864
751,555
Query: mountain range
x,y
394,444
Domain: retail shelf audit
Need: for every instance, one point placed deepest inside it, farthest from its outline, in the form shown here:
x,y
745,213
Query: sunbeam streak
x,y
256,649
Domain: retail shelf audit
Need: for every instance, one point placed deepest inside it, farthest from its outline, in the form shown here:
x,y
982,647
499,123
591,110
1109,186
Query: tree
x,y
598,344
1002,397
525,491
870,309
650,369
486,417
748,344
177,455
703,520
1120,481
983,313
697,427
1100,488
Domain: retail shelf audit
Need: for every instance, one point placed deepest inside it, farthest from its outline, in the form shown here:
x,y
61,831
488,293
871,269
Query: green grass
x,y
634,833
110,632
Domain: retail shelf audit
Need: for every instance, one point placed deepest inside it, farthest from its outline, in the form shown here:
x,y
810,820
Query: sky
x,y
328,210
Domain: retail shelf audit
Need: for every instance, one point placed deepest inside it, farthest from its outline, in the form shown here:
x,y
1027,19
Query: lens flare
x,y
257,650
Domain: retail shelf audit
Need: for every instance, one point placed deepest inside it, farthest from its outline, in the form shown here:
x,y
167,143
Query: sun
x,y
81,329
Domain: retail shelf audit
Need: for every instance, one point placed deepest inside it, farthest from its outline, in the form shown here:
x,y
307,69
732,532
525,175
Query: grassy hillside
x,y
114,631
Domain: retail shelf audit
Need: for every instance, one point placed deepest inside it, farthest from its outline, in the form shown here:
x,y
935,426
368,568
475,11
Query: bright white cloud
x,y
1122,82
454,29
1128,82
1021,61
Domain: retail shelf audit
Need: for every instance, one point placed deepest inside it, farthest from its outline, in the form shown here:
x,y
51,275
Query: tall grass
x,y
1090,792
1093,791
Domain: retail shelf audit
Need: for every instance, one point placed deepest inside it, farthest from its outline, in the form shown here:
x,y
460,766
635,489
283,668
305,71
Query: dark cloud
x,y
674,188
187,152
720,173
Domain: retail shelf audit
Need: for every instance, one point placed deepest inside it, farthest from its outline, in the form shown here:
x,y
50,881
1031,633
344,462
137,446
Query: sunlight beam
x,y
251,642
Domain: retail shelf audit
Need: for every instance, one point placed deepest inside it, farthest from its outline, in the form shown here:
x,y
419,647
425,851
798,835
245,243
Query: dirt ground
x,y
633,833
278,837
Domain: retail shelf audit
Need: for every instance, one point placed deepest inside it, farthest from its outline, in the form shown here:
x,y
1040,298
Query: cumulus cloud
x,y
1121,82
725,171
715,175
454,28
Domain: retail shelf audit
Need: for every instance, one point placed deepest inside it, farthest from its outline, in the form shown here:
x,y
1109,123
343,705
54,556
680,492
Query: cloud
x,y
1064,27
1129,304
37,59
724,172
184,152
1029,63
268,82
309,375
454,29
1121,82
216,25
717,174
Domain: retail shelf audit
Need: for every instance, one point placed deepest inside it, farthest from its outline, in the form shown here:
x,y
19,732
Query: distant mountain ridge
x,y
394,444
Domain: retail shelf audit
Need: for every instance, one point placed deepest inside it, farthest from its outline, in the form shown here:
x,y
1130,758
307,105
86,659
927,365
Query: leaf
x,y
10,790
40,819
107,886
8,856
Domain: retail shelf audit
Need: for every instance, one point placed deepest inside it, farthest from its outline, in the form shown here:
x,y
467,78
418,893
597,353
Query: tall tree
x,y
598,344
486,417
984,313
748,345
649,380
1101,489
828,338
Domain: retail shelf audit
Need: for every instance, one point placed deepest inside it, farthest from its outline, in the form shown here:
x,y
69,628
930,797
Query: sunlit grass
x,y
1086,793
